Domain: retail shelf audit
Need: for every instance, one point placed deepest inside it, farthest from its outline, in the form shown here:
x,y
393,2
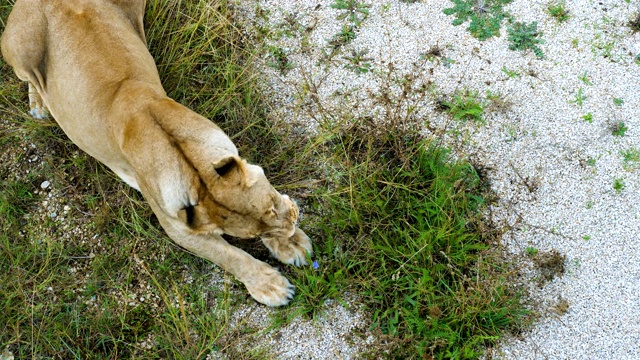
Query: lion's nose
x,y
293,209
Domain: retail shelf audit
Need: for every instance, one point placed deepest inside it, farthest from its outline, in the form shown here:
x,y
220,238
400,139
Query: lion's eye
x,y
271,213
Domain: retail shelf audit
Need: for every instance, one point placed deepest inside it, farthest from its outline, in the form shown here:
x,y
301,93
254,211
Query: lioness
x,y
87,64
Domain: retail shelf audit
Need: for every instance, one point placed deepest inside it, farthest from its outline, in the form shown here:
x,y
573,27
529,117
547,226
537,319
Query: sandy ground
x,y
560,173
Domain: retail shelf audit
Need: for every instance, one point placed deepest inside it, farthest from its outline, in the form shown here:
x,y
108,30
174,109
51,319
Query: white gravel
x,y
542,139
338,332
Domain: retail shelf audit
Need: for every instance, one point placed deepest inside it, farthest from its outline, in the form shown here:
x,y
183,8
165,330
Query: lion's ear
x,y
233,168
226,166
252,174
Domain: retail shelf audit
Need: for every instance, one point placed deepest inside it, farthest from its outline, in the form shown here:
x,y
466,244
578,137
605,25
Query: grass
x,y
512,74
403,230
580,98
352,10
464,105
585,78
396,219
631,158
279,60
618,185
559,11
358,62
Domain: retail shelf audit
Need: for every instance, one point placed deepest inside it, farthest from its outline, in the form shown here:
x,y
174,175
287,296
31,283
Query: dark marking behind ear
x,y
191,215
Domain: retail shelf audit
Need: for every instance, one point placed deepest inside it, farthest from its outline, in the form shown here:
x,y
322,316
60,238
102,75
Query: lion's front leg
x,y
265,284
291,250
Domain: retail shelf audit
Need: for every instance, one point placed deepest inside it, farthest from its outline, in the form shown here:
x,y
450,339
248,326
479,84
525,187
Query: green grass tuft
x,y
619,129
631,158
524,36
559,11
464,105
485,16
403,229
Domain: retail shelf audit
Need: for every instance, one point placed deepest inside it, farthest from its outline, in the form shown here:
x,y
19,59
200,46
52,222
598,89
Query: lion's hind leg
x,y
24,47
37,108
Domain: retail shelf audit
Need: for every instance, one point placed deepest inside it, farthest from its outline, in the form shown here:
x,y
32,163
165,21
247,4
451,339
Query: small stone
x,y
45,184
6,355
66,208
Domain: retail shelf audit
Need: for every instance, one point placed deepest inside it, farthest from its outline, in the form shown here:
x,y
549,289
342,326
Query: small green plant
x,y
618,185
603,47
279,59
358,62
464,105
588,117
559,11
631,158
618,101
589,205
447,62
355,11
432,54
634,24
485,15
586,238
523,36
531,251
619,129
510,73
346,34
585,78
591,162
580,98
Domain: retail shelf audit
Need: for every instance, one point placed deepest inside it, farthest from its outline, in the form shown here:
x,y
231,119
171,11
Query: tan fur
x,y
87,64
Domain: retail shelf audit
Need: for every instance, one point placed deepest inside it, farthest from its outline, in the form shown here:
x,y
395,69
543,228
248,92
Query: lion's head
x,y
236,198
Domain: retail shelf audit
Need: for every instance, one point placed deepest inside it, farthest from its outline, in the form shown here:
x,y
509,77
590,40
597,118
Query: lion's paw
x,y
269,287
291,251
39,112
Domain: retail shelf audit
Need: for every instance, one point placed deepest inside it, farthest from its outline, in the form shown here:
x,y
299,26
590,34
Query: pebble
x,y
45,184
